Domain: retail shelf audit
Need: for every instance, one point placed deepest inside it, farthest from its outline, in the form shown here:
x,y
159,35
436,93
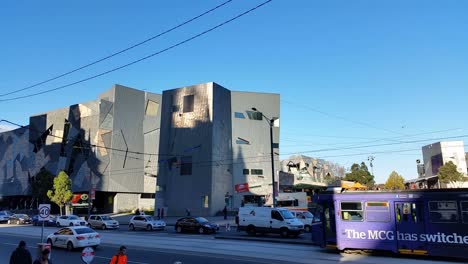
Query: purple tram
x,y
420,222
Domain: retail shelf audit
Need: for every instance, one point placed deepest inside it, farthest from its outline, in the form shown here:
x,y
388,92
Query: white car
x,y
306,217
74,237
4,216
70,220
103,222
146,222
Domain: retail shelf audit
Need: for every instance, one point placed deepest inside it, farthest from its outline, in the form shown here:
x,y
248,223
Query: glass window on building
x,y
239,115
255,115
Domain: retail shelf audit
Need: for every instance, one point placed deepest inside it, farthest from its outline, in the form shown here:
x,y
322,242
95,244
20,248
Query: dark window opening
x,y
245,171
186,165
256,172
188,103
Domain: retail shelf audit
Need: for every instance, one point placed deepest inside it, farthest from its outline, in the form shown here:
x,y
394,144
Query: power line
x,y
119,52
141,59
343,118
379,145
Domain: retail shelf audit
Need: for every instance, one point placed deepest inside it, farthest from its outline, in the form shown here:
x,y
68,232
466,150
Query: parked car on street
x,y
306,217
4,216
19,219
103,222
195,224
70,220
146,222
37,222
74,237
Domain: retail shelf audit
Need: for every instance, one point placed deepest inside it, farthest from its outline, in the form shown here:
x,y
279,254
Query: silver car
x,y
103,222
4,216
146,222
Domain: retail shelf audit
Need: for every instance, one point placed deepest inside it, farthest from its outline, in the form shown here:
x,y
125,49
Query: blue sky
x,y
350,73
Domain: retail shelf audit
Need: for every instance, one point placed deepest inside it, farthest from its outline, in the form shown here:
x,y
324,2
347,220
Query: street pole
x,y
272,163
270,123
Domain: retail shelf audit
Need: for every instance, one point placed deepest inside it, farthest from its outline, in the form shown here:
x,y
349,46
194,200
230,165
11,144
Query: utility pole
x,y
371,159
271,124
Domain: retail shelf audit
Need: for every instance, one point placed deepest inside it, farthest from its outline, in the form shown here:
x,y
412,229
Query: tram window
x,y
464,209
443,212
377,211
416,213
398,214
351,211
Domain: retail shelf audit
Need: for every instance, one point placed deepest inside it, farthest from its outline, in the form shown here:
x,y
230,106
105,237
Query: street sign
x,y
44,212
87,255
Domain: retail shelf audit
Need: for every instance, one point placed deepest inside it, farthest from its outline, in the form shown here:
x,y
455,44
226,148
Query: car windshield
x,y
22,215
84,230
201,220
286,214
308,215
149,218
74,217
105,217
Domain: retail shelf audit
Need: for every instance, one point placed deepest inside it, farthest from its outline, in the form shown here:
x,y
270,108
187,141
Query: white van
x,y
255,220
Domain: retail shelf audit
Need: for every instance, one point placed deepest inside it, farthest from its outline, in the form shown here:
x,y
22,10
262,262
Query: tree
x,y
360,173
395,181
61,194
43,182
448,173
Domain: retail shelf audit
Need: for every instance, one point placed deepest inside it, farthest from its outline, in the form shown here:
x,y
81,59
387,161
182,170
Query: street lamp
x,y
271,123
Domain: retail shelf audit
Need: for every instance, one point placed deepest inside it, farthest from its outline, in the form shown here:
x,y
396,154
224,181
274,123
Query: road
x,y
167,247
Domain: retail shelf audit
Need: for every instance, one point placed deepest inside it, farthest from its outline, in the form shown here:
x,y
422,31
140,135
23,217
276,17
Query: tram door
x,y
409,220
329,223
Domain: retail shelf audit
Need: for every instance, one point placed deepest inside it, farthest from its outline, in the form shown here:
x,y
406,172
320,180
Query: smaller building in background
x,y
436,155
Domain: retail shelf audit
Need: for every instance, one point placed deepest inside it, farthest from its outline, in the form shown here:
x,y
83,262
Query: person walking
x,y
21,254
120,257
44,258
225,211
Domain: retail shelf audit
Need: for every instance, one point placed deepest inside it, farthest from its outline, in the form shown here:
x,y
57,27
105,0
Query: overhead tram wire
x,y
211,162
141,59
343,118
119,52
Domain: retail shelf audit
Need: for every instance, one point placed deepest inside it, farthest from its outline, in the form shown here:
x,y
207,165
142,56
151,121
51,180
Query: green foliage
x,y
360,173
43,182
395,181
61,193
448,173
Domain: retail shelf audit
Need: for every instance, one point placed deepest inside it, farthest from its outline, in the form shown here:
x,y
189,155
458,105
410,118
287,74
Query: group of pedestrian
x,y
21,255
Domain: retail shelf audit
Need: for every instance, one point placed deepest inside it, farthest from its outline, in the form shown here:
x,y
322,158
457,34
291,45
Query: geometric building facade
x,y
103,145
214,149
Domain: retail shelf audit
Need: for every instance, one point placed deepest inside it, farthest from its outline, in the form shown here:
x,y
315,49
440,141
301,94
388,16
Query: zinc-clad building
x,y
212,144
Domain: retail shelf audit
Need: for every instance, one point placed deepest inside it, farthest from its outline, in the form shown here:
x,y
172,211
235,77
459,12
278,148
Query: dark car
x,y
37,222
195,224
19,219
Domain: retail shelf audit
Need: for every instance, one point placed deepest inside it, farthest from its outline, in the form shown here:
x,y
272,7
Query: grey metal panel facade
x,y
127,169
186,134
256,154
61,140
209,135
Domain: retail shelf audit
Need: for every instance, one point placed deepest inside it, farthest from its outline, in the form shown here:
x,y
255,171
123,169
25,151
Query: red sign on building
x,y
244,187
